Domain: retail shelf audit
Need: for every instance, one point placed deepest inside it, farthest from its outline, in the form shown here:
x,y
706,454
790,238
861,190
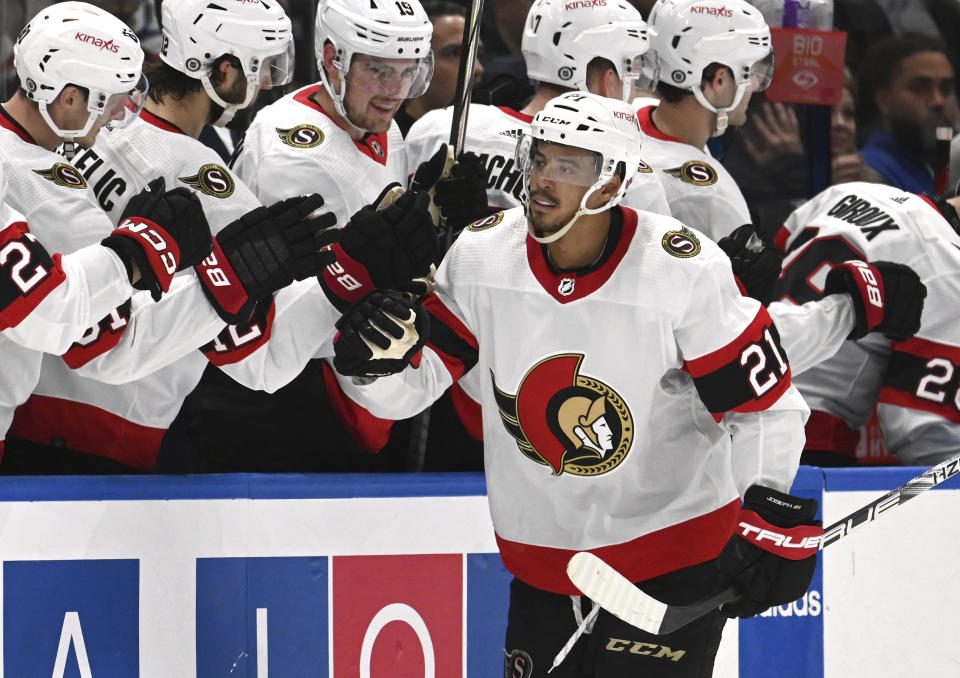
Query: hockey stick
x,y
941,174
468,57
615,593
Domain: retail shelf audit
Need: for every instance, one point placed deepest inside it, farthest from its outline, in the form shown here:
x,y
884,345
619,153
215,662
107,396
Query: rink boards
x,y
250,576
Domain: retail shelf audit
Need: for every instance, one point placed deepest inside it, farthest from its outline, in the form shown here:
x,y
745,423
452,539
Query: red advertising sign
x,y
808,66
398,616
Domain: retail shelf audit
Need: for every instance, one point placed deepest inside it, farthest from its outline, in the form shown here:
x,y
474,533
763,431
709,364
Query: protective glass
x,y
277,69
761,73
122,107
412,75
547,161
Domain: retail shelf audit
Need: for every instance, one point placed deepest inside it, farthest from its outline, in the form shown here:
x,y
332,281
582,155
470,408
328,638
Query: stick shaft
x,y
468,56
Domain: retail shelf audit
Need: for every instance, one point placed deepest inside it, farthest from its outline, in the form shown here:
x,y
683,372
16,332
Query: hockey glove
x,y
887,297
773,553
458,189
264,251
756,262
160,232
392,248
380,335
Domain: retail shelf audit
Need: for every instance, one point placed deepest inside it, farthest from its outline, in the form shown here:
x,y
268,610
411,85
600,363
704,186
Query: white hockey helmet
x,y
198,32
689,35
379,28
75,43
608,128
561,37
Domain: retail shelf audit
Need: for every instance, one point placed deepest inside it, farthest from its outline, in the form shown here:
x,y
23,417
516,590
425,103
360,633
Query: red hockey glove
x,y
161,232
887,297
773,553
264,251
380,335
393,248
755,261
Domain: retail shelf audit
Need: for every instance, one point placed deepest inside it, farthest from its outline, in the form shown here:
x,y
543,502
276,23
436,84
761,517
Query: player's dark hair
x,y
167,81
882,63
673,95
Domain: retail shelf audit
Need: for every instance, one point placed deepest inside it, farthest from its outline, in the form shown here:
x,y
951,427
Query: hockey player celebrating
x,y
99,427
631,397
600,49
711,57
911,379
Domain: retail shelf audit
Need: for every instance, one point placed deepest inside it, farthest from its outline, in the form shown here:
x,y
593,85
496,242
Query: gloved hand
x,y
161,232
264,251
756,261
773,553
887,297
380,335
393,248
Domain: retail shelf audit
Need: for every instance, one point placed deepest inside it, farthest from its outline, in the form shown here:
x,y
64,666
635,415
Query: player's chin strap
x,y
229,110
722,113
556,235
69,136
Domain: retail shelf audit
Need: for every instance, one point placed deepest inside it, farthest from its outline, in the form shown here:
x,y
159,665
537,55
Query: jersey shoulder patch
x,y
64,175
642,167
682,243
696,172
212,179
301,136
486,222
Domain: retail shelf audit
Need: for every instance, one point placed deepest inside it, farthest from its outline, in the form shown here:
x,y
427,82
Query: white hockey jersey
x,y
492,133
80,399
700,191
602,392
293,147
915,382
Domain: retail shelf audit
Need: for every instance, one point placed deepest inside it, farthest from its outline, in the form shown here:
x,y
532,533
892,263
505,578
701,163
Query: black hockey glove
x,y
161,232
773,553
393,248
264,251
458,188
380,335
887,297
756,262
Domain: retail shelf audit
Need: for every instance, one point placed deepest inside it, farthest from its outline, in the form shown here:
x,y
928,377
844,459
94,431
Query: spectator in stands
x,y
846,164
449,22
906,88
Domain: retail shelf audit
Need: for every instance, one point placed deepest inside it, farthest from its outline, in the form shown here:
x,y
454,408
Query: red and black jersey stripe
x,y
924,375
27,274
100,338
747,375
450,339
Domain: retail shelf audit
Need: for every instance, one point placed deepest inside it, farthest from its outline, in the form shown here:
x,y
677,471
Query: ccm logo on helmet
x,y
97,42
712,11
585,4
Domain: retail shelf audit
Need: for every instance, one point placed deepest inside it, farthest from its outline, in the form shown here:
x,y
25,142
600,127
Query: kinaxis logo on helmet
x,y
565,420
712,11
97,42
211,180
585,4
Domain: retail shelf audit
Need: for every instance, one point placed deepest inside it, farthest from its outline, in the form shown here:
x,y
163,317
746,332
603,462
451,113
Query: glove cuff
x,y
862,282
793,543
148,245
346,281
223,288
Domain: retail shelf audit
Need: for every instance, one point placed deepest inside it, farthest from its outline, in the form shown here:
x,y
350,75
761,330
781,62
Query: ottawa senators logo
x,y
682,244
566,420
644,168
63,174
211,180
301,136
695,172
486,222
